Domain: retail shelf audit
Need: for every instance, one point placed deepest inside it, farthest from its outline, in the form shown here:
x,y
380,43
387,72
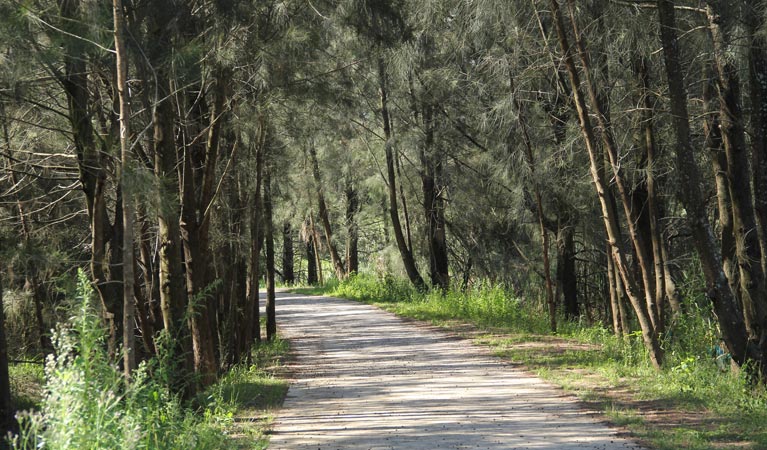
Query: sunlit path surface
x,y
365,379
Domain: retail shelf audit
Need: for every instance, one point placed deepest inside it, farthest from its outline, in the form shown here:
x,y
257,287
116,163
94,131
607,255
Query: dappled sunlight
x,y
366,379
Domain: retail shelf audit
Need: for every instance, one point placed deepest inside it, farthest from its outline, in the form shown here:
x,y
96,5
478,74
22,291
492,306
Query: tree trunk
x,y
609,214
317,249
271,316
531,165
287,254
612,289
311,258
129,314
405,252
338,264
652,210
725,304
6,407
714,145
569,279
253,318
352,229
434,204
747,247
757,68
92,177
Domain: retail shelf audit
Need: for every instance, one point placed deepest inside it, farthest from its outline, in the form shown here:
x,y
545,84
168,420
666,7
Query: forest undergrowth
x,y
695,402
80,399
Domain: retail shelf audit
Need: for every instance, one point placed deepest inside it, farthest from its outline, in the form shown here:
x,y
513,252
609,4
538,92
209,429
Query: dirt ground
x,y
365,379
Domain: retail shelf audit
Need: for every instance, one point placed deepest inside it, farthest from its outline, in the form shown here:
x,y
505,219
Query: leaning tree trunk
x,y
338,264
404,250
610,216
725,304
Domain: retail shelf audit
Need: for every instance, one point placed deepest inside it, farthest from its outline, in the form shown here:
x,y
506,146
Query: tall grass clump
x,y
87,404
484,304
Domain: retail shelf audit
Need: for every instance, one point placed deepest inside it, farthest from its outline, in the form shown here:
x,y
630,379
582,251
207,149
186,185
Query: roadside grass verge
x,y
696,402
84,402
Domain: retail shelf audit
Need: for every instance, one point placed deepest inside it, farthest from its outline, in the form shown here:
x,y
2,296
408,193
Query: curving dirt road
x,y
365,379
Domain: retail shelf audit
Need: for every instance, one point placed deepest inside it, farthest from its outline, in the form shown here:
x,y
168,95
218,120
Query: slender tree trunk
x,y
405,251
434,205
271,316
129,315
714,146
643,260
757,92
611,287
287,254
650,180
338,264
317,249
609,214
253,319
311,257
569,280
352,229
531,165
725,304
6,407
92,176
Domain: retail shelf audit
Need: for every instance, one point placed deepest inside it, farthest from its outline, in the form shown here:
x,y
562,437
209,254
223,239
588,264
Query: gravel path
x,y
365,379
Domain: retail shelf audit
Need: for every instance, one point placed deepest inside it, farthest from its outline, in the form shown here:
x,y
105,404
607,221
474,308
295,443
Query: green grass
x,y
247,396
86,404
26,385
690,404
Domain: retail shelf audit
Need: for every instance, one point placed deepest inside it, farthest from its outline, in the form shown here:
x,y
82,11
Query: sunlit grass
x,y
691,404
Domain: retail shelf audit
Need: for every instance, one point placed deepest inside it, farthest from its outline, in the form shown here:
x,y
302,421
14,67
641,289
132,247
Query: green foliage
x,y
592,362
88,405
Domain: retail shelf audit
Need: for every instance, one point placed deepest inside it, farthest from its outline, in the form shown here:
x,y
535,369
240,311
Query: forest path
x,y
366,379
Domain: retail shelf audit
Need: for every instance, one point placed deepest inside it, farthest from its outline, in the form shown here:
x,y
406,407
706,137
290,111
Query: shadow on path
x,y
365,379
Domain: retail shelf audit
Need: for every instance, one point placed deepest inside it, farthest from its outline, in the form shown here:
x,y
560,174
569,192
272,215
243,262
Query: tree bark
x,y
311,258
405,252
92,178
610,217
352,229
757,82
338,264
129,314
271,315
287,254
531,165
6,407
747,247
725,304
